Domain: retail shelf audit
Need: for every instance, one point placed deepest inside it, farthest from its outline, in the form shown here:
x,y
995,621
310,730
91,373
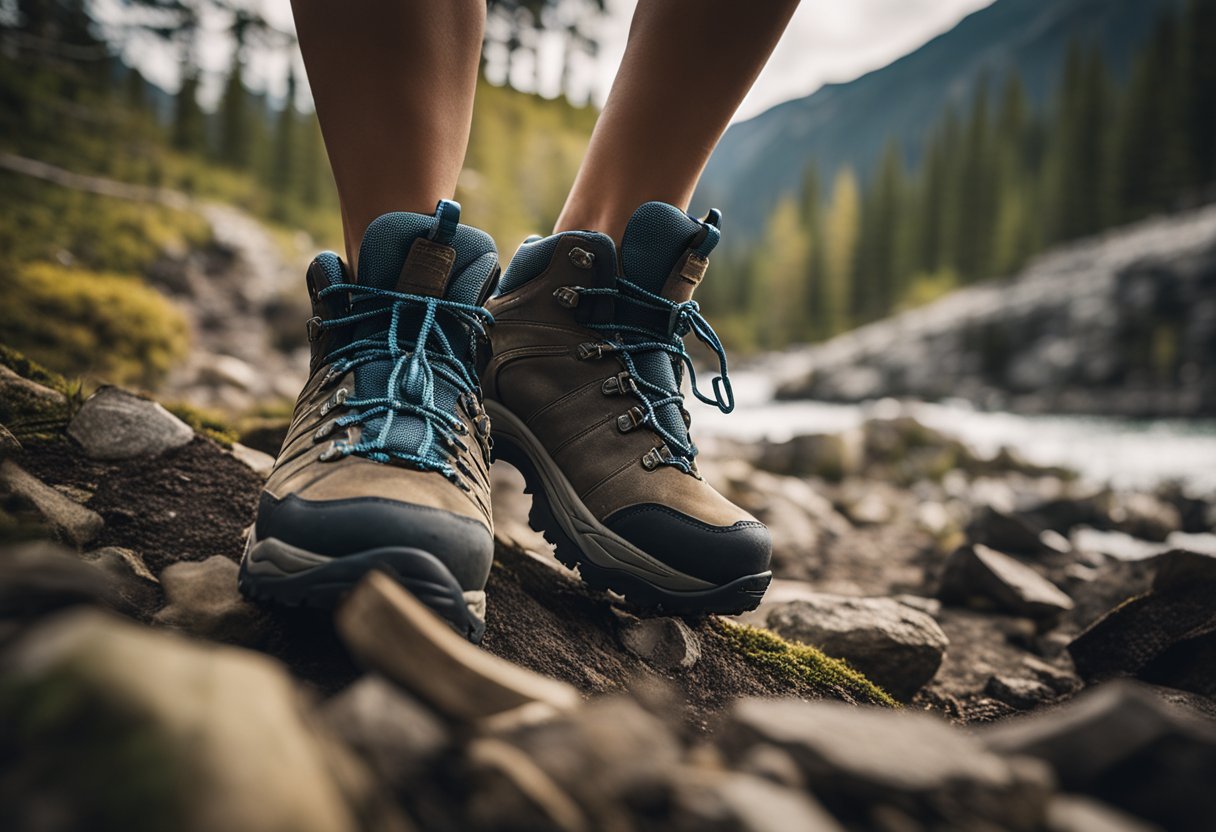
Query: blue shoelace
x,y
417,365
682,318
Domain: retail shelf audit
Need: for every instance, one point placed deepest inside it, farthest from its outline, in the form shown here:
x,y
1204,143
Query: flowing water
x,y
1125,453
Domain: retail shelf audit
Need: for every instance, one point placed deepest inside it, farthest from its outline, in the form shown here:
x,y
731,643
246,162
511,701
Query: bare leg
x,y
393,84
687,66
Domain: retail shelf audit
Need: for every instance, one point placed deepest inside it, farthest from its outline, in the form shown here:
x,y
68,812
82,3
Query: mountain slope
x,y
762,159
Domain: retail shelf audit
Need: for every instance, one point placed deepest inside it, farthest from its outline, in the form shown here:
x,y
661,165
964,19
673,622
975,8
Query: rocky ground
x,y
1038,653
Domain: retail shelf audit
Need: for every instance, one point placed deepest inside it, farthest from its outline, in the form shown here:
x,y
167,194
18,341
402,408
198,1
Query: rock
x,y
202,599
134,583
772,764
1069,813
29,409
830,456
606,755
1022,694
870,509
978,573
1058,680
1145,516
512,792
663,643
77,523
40,576
260,463
1167,636
857,760
391,632
220,370
897,647
717,801
395,735
1126,746
1005,531
929,606
115,424
201,738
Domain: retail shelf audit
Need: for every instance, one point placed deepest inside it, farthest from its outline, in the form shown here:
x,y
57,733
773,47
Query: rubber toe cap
x,y
336,528
719,554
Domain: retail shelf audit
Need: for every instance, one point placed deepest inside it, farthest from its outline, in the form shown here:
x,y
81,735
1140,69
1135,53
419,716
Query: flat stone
x,y
1123,744
202,599
1017,692
393,633
857,759
224,739
115,424
510,791
977,573
1004,530
664,643
396,736
77,523
134,583
899,648
260,463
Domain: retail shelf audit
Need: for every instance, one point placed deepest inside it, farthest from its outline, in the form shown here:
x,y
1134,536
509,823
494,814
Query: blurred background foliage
x,y
997,179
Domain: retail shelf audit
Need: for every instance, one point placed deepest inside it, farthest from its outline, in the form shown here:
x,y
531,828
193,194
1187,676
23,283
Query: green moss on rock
x,y
802,664
205,422
37,411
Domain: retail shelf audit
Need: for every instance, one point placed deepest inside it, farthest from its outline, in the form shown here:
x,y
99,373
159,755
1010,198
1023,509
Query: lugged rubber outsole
x,y
320,582
739,596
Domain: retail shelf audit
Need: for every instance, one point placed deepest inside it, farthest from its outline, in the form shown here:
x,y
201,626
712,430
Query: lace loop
x,y
418,365
682,318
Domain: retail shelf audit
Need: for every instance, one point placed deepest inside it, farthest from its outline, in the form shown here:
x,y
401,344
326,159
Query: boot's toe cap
x,y
336,528
719,554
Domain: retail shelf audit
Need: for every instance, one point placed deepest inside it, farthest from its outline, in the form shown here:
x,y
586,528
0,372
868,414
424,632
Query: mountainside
x,y
762,159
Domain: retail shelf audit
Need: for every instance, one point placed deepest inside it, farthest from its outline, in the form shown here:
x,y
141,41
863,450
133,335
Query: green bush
x,y
84,323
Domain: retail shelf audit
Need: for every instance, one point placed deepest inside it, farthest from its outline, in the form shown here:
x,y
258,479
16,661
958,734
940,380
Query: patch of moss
x,y
92,323
800,663
32,416
205,422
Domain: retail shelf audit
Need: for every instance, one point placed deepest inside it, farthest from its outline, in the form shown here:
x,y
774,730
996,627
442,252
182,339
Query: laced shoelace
x,y
682,318
417,365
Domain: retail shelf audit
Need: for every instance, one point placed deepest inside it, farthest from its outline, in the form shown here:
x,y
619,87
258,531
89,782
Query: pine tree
x,y
234,112
813,279
841,227
189,126
283,155
776,308
977,197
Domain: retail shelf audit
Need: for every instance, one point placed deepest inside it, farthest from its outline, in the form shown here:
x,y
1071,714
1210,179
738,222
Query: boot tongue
x,y
655,239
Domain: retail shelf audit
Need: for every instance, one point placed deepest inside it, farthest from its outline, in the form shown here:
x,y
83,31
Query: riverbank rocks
x,y
1123,744
75,522
183,735
977,575
1004,531
899,648
865,764
1167,635
113,424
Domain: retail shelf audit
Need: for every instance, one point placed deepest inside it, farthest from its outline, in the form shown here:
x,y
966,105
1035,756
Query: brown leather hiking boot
x,y
583,392
385,465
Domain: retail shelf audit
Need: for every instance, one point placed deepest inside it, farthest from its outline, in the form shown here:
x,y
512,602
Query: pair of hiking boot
x,y
427,364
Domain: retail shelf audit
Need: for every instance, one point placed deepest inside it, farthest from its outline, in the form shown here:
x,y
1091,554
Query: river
x,y
1124,453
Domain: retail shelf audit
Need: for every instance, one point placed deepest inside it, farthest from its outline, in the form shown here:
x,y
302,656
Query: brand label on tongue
x,y
685,277
426,269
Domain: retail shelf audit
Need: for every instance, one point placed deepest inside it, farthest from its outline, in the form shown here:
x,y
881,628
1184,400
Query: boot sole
x,y
274,571
605,560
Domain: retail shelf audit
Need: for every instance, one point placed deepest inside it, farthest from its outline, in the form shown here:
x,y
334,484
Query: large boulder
x,y
899,648
863,762
1167,635
196,737
1124,744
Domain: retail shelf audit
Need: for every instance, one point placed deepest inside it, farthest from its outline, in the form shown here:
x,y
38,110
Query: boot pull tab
x,y
447,218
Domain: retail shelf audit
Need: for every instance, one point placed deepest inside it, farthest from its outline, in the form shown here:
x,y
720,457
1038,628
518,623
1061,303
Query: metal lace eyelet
x,y
630,419
592,350
581,258
333,451
323,431
315,327
566,296
620,384
336,400
650,460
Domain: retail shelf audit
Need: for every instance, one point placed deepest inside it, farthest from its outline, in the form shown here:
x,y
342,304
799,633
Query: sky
x,y
827,41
